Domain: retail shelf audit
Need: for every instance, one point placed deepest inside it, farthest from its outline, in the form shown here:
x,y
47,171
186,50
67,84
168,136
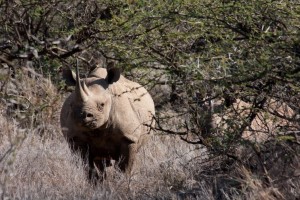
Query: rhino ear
x,y
113,75
69,76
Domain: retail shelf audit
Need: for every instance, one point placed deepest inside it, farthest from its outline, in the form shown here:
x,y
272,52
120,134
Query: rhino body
x,y
107,117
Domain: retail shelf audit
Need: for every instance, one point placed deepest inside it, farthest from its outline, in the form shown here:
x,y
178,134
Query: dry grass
x,y
39,168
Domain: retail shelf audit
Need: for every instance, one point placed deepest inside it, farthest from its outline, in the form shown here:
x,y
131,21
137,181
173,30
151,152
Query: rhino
x,y
107,117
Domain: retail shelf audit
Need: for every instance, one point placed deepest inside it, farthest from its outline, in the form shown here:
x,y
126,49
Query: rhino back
x,y
139,98
98,72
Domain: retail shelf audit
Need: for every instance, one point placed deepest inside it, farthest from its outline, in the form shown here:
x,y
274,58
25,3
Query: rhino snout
x,y
87,117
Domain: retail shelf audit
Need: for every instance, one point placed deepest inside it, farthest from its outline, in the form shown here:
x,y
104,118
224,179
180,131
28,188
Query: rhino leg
x,y
127,157
87,157
97,166
82,149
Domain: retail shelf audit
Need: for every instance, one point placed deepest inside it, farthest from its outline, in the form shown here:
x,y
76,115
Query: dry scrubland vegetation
x,y
43,168
224,76
36,162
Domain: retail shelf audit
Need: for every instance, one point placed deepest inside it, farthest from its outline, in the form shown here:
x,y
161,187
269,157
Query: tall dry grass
x,y
35,167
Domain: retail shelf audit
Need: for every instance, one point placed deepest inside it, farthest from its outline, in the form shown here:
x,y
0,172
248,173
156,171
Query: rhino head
x,y
91,101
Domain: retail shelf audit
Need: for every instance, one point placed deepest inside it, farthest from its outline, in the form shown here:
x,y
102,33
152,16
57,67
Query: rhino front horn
x,y
81,89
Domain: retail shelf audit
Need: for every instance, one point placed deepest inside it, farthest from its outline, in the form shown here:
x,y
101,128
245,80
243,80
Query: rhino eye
x,y
100,106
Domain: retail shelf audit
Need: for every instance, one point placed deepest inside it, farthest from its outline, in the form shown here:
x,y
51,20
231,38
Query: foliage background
x,y
197,58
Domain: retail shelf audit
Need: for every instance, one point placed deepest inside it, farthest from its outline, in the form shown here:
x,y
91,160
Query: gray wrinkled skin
x,y
107,118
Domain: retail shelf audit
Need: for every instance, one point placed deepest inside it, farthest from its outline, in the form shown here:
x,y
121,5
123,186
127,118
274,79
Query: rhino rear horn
x,y
113,75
